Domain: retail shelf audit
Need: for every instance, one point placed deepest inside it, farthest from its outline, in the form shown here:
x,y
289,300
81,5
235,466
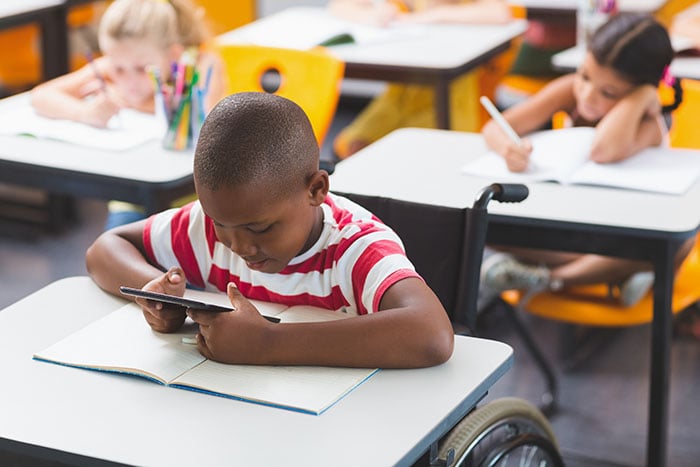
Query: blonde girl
x,y
133,36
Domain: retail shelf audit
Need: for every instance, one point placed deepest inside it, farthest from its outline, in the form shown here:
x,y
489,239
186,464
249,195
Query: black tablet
x,y
181,301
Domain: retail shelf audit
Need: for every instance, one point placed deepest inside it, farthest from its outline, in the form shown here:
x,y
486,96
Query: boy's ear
x,y
318,187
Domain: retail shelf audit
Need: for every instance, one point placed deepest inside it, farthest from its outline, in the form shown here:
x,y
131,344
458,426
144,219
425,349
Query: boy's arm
x,y
411,330
118,258
634,123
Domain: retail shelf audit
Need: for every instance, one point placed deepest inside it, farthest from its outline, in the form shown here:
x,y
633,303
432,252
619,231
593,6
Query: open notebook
x,y
306,27
122,342
126,130
562,156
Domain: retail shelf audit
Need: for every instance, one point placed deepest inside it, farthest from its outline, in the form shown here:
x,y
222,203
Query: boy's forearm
x,y
112,261
402,338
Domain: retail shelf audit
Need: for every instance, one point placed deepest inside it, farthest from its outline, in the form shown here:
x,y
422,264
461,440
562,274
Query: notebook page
x,y
660,170
304,388
122,341
556,154
126,130
303,28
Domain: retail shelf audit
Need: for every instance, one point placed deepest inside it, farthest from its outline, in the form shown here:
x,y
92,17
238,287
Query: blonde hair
x,y
161,22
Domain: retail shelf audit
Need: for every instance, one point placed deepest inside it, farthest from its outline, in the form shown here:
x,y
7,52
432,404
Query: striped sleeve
x,y
172,238
370,257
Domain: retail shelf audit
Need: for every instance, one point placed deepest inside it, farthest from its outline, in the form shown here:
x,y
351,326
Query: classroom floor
x,y
602,416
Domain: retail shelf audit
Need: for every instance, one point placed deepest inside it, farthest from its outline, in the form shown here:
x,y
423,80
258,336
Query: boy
x,y
265,227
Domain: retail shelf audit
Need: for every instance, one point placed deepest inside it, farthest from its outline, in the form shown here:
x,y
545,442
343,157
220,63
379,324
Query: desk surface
x,y
146,174
422,47
390,419
408,158
10,8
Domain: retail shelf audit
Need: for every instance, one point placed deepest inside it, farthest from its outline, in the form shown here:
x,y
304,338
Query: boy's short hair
x,y
255,137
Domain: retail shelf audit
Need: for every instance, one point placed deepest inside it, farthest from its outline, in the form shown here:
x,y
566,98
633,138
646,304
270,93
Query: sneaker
x,y
635,287
502,271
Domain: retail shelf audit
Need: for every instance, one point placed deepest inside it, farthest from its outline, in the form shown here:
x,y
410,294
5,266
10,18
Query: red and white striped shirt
x,y
354,261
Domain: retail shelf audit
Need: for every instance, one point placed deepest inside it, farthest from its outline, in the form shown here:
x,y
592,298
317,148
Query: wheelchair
x,y
446,246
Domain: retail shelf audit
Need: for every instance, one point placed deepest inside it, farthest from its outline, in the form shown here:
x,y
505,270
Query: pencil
x,y
500,121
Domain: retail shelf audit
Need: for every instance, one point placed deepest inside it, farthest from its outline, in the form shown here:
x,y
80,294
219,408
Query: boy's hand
x,y
234,337
517,156
161,316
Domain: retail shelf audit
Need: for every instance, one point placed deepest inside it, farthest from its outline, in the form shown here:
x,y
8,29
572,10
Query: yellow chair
x,y
20,56
684,129
224,15
311,78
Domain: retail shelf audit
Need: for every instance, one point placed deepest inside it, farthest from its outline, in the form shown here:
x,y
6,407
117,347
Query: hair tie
x,y
667,77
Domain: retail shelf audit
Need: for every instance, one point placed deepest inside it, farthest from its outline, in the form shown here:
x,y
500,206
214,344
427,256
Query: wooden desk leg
x,y
442,104
657,432
54,43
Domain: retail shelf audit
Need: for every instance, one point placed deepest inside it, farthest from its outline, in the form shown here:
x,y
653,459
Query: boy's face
x,y
597,89
264,230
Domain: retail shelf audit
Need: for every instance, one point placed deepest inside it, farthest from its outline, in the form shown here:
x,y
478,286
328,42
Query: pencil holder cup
x,y
180,105
184,121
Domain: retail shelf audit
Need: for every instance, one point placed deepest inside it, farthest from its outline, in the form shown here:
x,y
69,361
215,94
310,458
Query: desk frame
x,y
153,196
53,21
439,79
659,248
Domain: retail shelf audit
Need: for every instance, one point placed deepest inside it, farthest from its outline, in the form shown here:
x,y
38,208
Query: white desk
x,y
423,166
683,67
62,413
51,15
435,55
147,175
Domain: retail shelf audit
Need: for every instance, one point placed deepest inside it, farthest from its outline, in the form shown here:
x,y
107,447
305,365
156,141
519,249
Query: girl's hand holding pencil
x,y
100,107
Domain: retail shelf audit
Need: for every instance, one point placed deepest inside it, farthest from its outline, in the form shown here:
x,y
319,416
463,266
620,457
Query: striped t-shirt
x,y
353,262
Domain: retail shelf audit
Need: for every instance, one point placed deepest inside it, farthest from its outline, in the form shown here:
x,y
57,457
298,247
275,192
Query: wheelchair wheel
x,y
505,432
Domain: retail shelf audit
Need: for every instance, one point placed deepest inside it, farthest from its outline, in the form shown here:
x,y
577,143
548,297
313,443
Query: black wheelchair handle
x,y
501,192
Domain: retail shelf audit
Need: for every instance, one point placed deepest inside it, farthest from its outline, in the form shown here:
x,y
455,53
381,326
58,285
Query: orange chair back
x,y
684,129
311,78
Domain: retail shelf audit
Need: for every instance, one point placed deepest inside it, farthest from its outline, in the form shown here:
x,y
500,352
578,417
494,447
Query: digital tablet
x,y
181,301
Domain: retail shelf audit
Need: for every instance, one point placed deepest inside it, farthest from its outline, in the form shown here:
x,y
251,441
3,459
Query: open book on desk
x,y
306,27
125,130
122,342
562,156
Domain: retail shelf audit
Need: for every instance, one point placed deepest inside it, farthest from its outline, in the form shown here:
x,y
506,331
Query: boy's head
x,y
257,177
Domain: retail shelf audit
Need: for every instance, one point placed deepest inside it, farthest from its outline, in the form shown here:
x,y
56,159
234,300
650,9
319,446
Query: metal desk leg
x,y
54,43
442,104
657,434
